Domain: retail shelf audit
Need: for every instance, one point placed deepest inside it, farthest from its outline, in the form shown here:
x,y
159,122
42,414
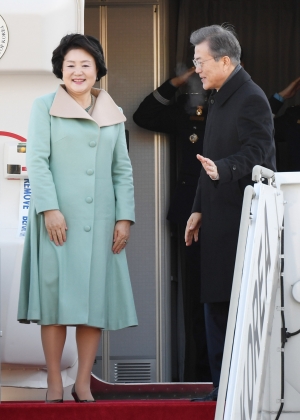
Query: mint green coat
x,y
78,164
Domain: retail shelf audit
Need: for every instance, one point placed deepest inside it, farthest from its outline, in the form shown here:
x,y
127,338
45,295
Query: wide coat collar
x,y
105,111
230,87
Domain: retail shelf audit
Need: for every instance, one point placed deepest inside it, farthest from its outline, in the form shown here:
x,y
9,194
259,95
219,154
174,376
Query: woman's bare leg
x,y
53,340
87,344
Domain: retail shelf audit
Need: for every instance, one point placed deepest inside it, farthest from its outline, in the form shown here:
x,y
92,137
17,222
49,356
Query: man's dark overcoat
x,y
238,136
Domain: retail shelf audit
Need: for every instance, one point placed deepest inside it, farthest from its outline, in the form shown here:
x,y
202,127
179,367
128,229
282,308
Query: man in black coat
x,y
287,129
184,120
238,136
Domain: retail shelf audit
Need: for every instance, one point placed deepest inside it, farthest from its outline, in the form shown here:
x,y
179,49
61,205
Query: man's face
x,y
212,73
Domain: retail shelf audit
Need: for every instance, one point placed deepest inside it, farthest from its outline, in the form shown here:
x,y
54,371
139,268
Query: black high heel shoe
x,y
76,398
54,401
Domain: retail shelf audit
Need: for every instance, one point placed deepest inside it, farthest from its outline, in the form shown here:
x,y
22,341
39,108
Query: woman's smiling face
x,y
79,71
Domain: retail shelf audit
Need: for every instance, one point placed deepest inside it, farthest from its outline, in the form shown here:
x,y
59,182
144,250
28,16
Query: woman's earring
x,y
97,79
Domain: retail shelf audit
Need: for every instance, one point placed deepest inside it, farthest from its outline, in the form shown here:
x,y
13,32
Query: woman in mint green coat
x,y
74,269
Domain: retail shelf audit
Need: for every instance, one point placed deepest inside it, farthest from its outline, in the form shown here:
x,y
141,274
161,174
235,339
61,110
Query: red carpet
x,y
108,410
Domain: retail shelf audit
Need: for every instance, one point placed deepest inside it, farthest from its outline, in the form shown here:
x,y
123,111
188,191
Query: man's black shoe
x,y
212,396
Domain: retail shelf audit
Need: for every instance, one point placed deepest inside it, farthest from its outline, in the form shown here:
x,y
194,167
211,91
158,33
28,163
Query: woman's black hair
x,y
76,41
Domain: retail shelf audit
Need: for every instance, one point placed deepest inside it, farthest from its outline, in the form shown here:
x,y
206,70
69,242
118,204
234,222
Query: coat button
x,y
90,171
87,228
89,200
212,101
193,138
234,167
92,143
